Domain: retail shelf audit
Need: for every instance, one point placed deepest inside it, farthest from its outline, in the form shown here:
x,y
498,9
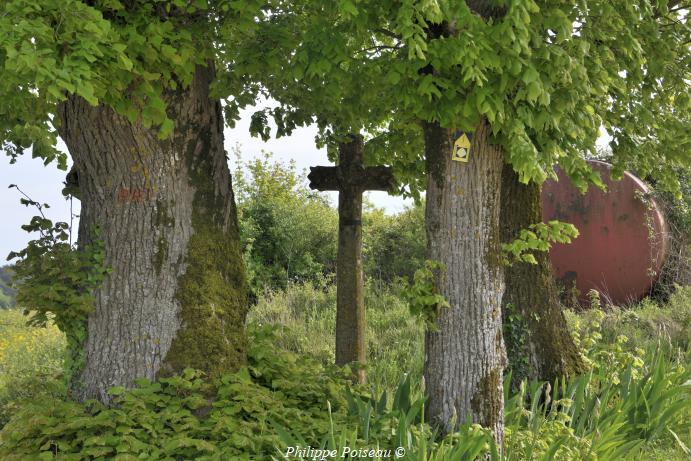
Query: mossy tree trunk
x,y
176,293
464,356
538,342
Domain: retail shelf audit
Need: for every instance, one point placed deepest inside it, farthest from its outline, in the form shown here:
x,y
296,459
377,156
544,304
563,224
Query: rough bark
x,y
464,357
350,312
538,342
176,294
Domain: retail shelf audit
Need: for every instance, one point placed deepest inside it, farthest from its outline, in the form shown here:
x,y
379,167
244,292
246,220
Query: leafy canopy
x,y
547,75
125,54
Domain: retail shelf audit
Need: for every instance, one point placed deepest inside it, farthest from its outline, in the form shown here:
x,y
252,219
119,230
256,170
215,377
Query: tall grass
x,y
645,324
30,361
306,317
590,417
600,416
635,399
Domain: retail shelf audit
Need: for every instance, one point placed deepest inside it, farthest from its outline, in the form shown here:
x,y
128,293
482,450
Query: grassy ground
x,y
647,323
304,316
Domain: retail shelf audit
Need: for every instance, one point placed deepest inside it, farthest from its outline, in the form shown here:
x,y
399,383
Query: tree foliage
x,y
55,280
122,54
394,245
547,75
288,232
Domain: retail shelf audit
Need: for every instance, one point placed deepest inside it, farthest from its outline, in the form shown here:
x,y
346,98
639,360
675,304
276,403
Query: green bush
x,y
288,232
394,245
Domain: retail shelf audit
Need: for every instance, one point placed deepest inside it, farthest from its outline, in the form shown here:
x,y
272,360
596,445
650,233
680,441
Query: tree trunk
x,y
465,357
165,211
350,313
538,342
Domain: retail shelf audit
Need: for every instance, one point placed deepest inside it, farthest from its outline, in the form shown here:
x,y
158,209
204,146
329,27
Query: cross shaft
x,y
350,178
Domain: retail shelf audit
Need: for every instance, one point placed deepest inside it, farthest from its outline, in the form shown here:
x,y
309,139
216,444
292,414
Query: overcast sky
x,y
44,183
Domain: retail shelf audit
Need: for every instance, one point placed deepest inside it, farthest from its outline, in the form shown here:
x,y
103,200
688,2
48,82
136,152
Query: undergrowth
x,y
635,401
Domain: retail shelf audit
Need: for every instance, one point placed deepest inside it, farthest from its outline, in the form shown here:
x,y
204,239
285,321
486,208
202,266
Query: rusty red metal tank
x,y
622,243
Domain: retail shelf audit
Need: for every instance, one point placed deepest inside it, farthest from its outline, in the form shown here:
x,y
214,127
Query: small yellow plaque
x,y
461,149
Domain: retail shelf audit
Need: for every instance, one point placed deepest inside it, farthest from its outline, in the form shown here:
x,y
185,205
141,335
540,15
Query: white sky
x,y
44,183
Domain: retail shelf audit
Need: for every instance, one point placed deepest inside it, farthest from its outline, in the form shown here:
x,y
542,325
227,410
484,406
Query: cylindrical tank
x,y
622,243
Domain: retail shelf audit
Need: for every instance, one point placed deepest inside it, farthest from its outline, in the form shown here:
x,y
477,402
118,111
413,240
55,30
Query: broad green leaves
x,y
548,75
129,58
422,296
538,237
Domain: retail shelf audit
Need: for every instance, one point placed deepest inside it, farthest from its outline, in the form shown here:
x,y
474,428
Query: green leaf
x,y
348,7
166,129
86,91
125,61
534,91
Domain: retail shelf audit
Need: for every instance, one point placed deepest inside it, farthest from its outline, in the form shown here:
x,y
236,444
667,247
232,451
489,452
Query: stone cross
x,y
350,178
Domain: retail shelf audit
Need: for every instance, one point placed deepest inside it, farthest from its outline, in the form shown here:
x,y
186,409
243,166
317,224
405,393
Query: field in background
x,y
30,361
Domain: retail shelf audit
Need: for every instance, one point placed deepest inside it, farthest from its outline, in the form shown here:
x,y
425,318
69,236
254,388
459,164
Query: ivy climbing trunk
x,y
165,211
464,356
538,342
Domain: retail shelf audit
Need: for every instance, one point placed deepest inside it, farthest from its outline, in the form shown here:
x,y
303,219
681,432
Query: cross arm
x,y
325,178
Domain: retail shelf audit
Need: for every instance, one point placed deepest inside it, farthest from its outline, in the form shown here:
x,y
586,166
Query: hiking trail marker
x,y
461,148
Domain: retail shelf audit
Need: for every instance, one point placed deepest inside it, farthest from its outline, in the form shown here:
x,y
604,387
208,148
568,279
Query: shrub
x,y
288,231
394,245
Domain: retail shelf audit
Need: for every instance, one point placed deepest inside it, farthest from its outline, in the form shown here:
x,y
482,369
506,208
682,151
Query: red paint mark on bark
x,y
135,195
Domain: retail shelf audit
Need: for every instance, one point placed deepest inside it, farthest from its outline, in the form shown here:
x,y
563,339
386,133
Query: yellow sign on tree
x,y
461,149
